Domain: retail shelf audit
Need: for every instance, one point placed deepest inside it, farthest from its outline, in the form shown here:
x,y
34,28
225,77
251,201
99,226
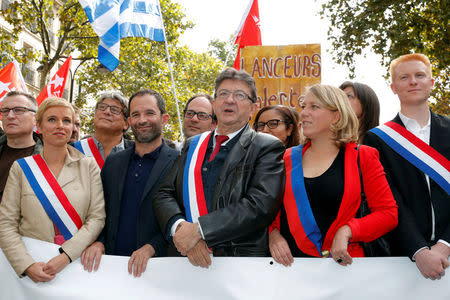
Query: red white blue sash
x,y
88,148
417,152
193,194
302,223
50,194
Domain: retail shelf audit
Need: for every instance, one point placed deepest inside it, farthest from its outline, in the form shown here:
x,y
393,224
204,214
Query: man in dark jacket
x,y
408,147
18,118
130,180
225,188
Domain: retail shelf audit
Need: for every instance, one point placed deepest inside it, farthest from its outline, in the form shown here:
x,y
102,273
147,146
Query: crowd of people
x,y
291,185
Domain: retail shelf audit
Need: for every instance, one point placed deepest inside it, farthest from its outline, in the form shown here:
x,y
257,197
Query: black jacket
x,y
410,190
114,174
246,198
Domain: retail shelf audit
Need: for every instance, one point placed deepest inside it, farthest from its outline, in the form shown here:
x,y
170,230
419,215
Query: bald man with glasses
x,y
198,115
18,120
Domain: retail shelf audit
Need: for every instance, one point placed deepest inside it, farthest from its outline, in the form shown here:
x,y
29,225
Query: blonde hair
x,y
345,130
52,102
408,57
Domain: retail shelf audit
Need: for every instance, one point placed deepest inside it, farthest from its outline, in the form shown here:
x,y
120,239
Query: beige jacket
x,y
21,213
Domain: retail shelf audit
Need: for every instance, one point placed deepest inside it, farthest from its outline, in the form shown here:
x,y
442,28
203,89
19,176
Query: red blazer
x,y
383,216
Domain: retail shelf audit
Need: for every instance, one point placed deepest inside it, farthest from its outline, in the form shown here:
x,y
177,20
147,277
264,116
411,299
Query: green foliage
x,y
393,28
221,49
143,63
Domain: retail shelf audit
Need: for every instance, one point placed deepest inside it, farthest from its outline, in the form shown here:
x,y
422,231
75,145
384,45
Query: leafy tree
x,y
143,63
221,49
393,28
38,17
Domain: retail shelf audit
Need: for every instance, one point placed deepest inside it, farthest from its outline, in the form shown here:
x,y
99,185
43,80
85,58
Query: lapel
x,y
158,169
117,179
236,154
398,120
68,172
351,197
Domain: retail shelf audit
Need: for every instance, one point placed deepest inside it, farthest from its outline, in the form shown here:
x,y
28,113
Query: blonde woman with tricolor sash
x,y
55,196
323,190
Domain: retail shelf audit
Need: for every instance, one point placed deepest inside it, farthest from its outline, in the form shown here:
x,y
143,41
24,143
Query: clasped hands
x,y
189,242
43,272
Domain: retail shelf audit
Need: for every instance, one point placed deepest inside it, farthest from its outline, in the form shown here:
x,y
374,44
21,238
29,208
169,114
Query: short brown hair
x,y
29,97
408,57
234,74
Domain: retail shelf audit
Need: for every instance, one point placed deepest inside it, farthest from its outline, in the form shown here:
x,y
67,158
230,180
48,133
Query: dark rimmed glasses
x,y
189,114
114,109
18,110
237,95
272,124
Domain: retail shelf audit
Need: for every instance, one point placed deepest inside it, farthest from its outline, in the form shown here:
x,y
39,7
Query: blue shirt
x,y
138,172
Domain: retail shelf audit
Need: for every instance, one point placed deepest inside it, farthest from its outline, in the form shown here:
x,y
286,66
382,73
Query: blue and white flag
x,y
116,19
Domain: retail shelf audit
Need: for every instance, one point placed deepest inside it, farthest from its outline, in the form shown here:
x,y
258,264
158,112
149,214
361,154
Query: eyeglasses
x,y
189,114
18,110
272,124
237,95
114,109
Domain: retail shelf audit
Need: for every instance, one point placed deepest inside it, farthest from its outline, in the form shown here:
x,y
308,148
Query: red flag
x,y
11,79
56,86
249,33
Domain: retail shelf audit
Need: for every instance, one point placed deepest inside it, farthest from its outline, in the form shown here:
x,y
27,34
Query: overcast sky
x,y
285,22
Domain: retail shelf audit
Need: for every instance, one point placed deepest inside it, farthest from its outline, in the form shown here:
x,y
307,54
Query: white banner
x,y
227,278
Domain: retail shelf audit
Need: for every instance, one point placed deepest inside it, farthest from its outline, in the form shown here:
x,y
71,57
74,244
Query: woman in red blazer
x,y
323,193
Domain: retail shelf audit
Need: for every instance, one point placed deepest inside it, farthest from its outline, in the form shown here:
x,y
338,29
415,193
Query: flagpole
x,y
229,51
171,75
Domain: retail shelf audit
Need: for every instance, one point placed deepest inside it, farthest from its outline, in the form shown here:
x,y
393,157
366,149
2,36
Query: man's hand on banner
x,y
199,255
186,237
279,249
431,263
37,274
137,264
91,256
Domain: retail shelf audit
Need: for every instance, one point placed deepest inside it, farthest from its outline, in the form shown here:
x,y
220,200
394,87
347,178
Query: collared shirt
x,y
119,147
422,133
138,172
230,137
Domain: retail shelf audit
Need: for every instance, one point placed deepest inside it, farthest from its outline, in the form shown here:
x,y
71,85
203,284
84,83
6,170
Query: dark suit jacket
x,y
246,198
410,189
114,174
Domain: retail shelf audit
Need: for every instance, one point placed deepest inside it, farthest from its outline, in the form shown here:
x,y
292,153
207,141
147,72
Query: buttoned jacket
x,y
21,213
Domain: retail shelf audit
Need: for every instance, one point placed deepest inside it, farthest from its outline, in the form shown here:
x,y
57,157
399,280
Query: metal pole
x,y
171,76
72,78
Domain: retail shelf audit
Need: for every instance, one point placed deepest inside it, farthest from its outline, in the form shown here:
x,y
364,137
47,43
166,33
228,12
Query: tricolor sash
x,y
302,223
51,195
416,151
193,194
88,148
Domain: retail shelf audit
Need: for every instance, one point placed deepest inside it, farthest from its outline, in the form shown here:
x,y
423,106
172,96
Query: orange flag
x,y
56,86
11,79
249,33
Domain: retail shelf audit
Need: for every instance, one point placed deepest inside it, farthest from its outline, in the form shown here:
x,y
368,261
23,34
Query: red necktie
x,y
219,141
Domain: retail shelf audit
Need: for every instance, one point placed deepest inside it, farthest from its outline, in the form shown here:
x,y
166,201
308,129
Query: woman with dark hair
x,y
365,104
279,121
